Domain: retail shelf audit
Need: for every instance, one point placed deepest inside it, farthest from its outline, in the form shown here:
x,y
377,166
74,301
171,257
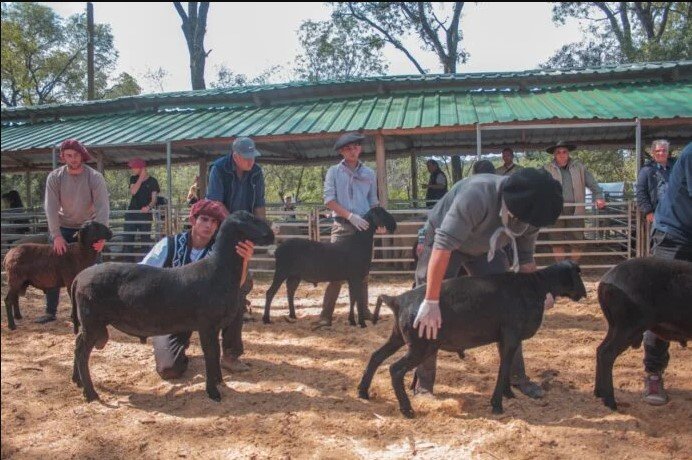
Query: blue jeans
x,y
53,294
655,349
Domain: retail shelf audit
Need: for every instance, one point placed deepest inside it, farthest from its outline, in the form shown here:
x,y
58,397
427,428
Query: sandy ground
x,y
299,399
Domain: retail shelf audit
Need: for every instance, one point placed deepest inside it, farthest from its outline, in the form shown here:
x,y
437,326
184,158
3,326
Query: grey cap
x,y
245,147
348,138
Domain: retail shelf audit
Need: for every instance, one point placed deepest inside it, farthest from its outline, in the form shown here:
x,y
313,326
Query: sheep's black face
x,y
379,217
92,231
571,277
249,228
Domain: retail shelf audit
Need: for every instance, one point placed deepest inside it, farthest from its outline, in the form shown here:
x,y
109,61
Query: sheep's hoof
x,y
91,396
362,324
497,409
352,321
363,394
408,412
17,315
214,394
11,326
290,319
292,316
461,354
597,393
508,393
266,320
610,402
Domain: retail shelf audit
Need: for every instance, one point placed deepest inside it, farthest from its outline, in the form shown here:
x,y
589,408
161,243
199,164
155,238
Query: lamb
x,y
505,308
145,301
635,296
39,266
346,260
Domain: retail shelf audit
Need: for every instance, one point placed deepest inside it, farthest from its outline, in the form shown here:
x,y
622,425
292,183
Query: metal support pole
x,y
414,180
27,182
381,163
169,178
478,141
55,157
641,227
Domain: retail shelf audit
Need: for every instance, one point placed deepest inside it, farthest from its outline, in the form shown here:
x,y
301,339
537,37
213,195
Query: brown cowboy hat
x,y
564,144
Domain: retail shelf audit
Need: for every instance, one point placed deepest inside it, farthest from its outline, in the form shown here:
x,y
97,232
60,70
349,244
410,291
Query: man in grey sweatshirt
x,y
469,227
75,193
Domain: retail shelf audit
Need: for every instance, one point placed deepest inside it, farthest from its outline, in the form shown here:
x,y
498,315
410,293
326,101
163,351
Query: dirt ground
x,y
299,398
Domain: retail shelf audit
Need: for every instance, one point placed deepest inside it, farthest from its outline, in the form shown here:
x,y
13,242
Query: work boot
x,y
654,393
233,364
47,318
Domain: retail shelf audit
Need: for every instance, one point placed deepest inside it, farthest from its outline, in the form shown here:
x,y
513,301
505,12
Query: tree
x,y
626,32
124,85
194,28
331,51
44,57
395,20
226,78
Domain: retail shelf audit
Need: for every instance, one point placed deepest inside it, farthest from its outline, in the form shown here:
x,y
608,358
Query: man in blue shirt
x,y
672,239
238,182
350,190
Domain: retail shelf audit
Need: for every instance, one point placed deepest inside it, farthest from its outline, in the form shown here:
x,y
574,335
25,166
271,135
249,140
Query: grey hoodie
x,y
468,216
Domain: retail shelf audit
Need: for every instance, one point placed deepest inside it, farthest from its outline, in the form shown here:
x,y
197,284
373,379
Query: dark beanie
x,y
533,197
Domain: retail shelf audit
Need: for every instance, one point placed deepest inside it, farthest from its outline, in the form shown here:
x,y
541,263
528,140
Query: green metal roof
x,y
427,113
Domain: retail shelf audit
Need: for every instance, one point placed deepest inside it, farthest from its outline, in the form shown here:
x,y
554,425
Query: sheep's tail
x,y
391,303
73,298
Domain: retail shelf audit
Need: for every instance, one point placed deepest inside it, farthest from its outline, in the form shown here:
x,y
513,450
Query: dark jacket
x,y
652,182
434,194
224,183
674,215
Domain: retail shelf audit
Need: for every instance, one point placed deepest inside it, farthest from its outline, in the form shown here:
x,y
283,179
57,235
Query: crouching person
x,y
478,217
182,249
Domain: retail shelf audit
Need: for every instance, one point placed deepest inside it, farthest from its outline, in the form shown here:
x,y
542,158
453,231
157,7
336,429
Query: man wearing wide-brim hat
x,y
350,190
574,178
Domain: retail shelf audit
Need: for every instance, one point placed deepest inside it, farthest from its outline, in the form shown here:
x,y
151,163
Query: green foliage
x,y
621,32
437,26
337,49
44,58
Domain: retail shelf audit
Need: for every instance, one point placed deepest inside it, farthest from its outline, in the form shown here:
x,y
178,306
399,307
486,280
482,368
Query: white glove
x,y
429,319
358,222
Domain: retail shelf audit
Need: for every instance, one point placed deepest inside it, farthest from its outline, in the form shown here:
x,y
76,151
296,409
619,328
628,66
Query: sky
x,y
250,37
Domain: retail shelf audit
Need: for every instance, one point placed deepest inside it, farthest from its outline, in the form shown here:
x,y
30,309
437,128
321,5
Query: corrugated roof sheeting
x,y
238,96
646,101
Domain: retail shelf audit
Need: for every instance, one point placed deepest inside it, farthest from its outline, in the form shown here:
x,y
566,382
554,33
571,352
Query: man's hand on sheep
x,y
245,249
99,245
428,320
59,245
358,222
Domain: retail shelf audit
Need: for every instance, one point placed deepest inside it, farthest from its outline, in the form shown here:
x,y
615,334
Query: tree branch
x,y
397,44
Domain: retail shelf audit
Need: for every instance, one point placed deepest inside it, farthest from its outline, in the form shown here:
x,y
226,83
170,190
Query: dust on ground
x,y
299,399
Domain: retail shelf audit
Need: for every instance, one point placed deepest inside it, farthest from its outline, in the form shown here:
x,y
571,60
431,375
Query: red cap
x,y
211,208
137,163
74,144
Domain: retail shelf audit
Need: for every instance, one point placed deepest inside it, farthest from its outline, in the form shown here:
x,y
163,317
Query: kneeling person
x,y
181,249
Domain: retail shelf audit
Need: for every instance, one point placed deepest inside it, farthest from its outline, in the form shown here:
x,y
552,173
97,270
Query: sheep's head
x,y
570,283
244,226
379,217
92,231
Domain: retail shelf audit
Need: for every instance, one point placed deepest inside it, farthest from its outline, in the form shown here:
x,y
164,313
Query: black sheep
x,y
346,260
476,310
145,301
639,295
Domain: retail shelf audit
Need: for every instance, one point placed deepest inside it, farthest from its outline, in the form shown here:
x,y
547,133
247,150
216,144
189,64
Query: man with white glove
x,y
478,217
350,190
